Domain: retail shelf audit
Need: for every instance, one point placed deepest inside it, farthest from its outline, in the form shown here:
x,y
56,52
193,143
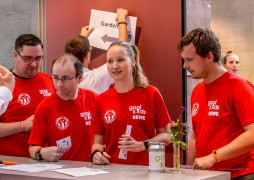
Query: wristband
x,y
216,156
22,126
95,151
146,144
122,23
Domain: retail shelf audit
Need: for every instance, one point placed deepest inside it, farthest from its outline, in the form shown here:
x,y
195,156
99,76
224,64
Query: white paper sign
x,y
106,29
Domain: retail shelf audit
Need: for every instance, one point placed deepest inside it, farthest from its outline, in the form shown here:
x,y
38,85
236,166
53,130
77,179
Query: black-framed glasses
x,y
29,59
64,79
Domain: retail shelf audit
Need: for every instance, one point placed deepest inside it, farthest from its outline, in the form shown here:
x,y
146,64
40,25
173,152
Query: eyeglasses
x,y
64,79
29,59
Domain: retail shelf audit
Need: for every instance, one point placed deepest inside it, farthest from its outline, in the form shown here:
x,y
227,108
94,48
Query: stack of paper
x,y
32,167
83,171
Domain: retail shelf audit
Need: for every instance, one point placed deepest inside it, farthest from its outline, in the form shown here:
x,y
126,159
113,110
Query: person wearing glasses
x,y
98,79
7,83
62,121
31,87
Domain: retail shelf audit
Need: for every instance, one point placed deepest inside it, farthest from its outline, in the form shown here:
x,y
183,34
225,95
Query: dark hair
x,y
63,59
28,40
78,46
139,79
229,53
204,40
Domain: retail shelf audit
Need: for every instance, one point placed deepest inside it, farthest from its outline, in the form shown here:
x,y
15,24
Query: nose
x,y
185,65
33,63
60,82
115,64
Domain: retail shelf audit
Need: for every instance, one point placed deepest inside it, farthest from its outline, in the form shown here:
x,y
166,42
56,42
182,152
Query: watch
x,y
38,154
146,144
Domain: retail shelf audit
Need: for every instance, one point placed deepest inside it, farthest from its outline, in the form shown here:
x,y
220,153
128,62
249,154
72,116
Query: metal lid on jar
x,y
156,145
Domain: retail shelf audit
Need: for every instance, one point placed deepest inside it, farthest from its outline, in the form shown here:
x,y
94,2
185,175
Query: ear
x,y
15,54
210,57
80,78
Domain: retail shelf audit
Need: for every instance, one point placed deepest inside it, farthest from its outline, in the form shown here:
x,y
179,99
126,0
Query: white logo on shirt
x,y
138,112
110,116
87,117
45,92
24,99
213,108
62,123
195,109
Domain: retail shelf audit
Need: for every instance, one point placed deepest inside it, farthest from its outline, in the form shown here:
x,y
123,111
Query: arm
x,y
52,153
121,17
99,158
230,150
191,155
129,144
5,98
7,129
7,83
7,79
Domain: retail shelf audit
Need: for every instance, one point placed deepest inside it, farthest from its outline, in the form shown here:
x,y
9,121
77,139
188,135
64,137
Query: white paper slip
x,y
32,167
82,171
64,143
122,153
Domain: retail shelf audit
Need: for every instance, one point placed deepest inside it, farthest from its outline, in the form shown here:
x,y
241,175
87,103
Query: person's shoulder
x,y
235,79
43,75
87,92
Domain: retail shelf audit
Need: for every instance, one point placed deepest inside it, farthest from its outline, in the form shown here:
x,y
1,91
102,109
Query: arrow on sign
x,y
106,38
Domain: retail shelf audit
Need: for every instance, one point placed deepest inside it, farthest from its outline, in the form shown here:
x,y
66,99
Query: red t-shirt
x,y
220,110
143,108
57,119
27,94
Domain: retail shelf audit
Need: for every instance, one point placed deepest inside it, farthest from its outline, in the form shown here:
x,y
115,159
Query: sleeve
x,y
5,98
161,112
243,102
97,125
39,130
103,78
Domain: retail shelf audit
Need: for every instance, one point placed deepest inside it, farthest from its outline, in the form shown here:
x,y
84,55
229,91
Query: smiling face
x,y
24,68
195,64
119,63
232,63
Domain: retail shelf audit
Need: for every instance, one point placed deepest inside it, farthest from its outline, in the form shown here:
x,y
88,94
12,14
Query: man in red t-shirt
x,y
62,121
31,87
222,109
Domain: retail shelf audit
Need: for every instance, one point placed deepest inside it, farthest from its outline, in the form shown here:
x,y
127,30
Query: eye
x,y
65,78
27,58
120,60
110,61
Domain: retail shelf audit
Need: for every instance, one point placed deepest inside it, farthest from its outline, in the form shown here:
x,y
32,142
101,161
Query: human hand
x,y
86,31
204,162
7,79
121,14
101,158
28,123
52,153
127,143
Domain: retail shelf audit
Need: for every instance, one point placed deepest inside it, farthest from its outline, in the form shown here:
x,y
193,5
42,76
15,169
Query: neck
x,y
71,96
85,64
123,86
214,73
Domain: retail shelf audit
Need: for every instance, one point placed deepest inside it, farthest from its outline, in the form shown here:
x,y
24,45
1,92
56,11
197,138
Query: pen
x,y
8,162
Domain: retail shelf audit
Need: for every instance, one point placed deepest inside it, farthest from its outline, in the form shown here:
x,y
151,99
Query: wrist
x,y
216,156
38,154
145,146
